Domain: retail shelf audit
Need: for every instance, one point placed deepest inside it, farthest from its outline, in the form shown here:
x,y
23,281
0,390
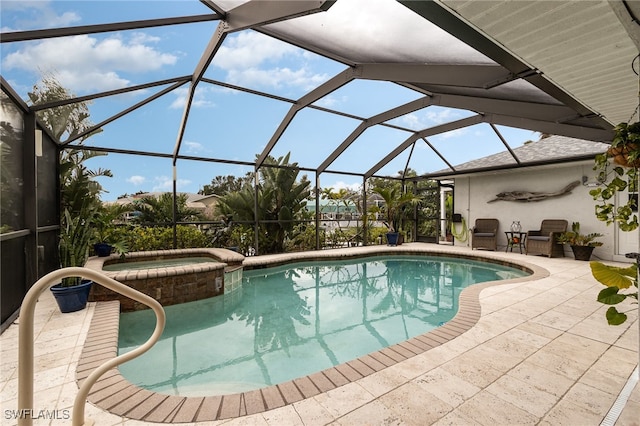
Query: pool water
x,y
288,322
157,263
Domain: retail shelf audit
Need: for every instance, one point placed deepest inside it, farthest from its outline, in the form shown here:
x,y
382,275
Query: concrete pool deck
x,y
540,353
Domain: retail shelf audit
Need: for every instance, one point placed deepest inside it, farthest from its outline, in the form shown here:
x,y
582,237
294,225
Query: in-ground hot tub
x,y
169,276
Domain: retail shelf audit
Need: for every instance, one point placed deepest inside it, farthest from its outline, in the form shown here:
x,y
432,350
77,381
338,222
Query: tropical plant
x,y
73,246
146,238
279,201
104,226
221,185
159,209
616,279
395,206
575,238
625,151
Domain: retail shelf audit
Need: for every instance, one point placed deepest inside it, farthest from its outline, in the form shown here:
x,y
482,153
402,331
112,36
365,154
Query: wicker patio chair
x,y
543,241
485,234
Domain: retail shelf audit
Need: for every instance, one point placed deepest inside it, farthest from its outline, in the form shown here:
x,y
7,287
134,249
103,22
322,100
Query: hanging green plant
x,y
621,283
625,152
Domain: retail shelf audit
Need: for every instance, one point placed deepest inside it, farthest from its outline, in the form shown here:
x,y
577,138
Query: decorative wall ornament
x,y
528,196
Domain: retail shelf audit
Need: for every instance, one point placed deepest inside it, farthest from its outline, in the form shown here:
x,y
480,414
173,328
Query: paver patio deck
x,y
541,353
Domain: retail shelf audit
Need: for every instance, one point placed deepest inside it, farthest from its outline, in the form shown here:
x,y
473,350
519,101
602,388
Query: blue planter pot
x,y
392,238
71,299
102,249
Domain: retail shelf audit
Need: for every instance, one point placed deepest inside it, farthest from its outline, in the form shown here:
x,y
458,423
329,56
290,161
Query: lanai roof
x,y
560,67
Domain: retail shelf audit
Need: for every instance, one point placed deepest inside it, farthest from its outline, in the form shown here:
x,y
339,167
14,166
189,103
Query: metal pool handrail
x,y
25,340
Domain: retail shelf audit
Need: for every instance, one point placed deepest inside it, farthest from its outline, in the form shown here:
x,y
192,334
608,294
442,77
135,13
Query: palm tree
x,y
395,203
159,210
280,200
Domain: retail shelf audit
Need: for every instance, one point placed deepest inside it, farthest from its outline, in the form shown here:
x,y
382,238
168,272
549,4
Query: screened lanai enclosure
x,y
342,94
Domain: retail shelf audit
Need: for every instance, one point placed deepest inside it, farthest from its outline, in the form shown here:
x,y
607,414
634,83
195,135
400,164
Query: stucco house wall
x,y
473,192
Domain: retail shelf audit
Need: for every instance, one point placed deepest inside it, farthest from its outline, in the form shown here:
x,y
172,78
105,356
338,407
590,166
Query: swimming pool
x,y
294,320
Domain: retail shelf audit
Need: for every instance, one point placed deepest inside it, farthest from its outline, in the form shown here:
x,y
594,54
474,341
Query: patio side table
x,y
515,239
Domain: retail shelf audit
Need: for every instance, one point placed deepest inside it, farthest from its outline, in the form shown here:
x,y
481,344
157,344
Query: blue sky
x,y
223,124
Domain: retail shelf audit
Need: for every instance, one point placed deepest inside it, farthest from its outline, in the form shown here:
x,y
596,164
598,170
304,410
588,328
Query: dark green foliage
x,y
222,185
625,151
159,210
280,199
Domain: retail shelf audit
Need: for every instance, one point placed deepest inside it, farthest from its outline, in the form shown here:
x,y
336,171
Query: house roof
x,y
193,200
551,149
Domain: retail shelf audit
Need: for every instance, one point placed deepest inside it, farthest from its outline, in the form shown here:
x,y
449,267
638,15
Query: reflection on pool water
x,y
295,320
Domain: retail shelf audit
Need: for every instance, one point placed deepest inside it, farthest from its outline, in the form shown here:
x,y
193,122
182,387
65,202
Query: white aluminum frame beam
x,y
258,13
479,76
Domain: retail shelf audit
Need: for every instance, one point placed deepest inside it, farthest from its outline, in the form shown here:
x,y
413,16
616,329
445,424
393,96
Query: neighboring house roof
x,y
550,149
194,201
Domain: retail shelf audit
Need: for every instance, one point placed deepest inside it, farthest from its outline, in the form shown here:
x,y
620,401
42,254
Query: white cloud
x,y
193,147
85,63
330,101
199,99
249,49
36,14
452,134
352,186
275,77
136,180
428,118
165,183
141,38
252,59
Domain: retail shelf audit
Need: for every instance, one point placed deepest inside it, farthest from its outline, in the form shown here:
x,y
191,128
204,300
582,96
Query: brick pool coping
x,y
115,394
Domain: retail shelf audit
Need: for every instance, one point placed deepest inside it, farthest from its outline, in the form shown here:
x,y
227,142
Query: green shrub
x,y
146,238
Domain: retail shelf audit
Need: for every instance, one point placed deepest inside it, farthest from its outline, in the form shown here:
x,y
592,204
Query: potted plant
x,y
395,203
582,245
80,204
75,235
106,239
618,177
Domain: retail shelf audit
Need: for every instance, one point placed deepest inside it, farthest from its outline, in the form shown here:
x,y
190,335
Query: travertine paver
x,y
541,378
447,387
412,398
490,410
541,353
522,395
